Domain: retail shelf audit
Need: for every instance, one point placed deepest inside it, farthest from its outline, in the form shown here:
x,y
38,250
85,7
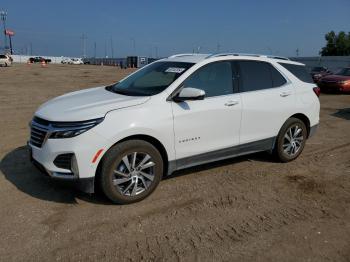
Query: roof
x,y
196,58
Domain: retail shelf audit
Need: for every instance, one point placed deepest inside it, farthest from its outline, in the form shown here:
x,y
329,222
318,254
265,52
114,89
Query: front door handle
x,y
284,94
231,103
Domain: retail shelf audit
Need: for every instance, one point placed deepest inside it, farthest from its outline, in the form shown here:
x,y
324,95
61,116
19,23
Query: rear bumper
x,y
313,130
83,184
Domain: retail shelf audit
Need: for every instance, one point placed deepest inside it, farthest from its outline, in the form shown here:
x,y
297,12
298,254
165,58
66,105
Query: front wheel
x,y
291,140
131,171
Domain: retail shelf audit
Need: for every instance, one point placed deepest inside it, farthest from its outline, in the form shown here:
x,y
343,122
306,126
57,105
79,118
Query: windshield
x,y
344,72
151,79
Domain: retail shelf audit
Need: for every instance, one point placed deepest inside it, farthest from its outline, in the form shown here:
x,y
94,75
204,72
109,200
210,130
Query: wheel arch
x,y
150,139
305,120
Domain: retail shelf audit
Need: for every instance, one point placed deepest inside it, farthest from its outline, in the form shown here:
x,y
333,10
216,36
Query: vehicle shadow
x,y
17,169
260,157
342,113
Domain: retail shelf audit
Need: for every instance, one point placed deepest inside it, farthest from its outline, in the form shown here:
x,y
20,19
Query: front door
x,y
207,126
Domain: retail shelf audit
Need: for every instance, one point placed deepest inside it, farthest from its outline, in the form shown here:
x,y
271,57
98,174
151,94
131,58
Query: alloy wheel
x,y
134,173
293,140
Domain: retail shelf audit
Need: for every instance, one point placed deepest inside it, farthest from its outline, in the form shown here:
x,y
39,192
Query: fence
x,y
24,58
333,63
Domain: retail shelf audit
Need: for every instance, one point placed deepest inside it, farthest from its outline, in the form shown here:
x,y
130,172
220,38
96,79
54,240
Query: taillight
x,y
317,90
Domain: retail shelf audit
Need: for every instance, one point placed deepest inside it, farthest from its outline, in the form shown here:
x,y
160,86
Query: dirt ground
x,y
245,209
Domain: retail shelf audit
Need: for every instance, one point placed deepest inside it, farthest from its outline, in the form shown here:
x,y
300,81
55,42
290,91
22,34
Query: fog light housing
x,y
74,166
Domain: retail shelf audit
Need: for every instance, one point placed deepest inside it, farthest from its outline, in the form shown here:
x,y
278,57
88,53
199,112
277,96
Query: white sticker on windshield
x,y
177,70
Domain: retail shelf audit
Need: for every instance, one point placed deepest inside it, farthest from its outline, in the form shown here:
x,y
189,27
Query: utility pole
x,y
95,49
105,49
112,49
156,51
31,48
83,39
297,52
3,16
218,46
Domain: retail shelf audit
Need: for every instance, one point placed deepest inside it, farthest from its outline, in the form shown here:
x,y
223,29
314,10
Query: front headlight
x,y
72,129
343,82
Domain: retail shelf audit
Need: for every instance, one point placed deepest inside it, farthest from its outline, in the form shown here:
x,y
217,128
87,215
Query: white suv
x,y
5,60
177,112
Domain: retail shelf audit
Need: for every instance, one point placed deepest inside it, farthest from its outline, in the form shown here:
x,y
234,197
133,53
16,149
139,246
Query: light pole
x,y
133,42
3,16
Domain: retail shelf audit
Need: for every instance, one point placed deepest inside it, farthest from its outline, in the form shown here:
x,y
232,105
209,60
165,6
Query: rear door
x,y
268,100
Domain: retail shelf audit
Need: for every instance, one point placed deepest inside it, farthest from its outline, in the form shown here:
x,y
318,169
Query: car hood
x,y
86,104
335,78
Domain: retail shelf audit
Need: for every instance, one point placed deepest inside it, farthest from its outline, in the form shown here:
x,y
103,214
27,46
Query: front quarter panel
x,y
153,118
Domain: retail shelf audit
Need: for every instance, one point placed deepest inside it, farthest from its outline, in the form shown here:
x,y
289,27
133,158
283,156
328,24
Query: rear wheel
x,y
291,140
131,171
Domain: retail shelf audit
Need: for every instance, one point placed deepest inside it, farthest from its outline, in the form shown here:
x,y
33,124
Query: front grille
x,y
63,161
38,132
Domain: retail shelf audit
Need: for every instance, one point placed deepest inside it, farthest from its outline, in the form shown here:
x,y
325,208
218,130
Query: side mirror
x,y
189,93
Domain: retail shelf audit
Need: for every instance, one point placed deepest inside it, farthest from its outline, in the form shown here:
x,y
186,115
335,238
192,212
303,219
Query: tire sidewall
x,y
114,156
282,156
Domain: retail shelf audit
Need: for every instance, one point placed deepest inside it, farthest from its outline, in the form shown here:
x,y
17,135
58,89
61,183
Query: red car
x,y
318,72
338,82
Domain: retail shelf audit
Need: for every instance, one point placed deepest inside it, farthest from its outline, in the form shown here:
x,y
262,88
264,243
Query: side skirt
x,y
252,147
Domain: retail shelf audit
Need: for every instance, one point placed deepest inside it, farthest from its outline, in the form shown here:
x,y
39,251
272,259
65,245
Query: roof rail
x,y
243,54
227,54
278,57
186,54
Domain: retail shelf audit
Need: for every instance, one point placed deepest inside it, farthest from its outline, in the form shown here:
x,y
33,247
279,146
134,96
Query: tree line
x,y
337,44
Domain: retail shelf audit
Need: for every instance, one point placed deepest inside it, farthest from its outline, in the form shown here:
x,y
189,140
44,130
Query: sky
x,y
161,28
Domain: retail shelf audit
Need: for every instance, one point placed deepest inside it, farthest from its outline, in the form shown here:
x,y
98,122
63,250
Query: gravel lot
x,y
245,209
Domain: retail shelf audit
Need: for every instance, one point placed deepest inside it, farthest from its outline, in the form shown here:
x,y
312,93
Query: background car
x,y
76,61
65,61
338,82
5,60
39,59
318,72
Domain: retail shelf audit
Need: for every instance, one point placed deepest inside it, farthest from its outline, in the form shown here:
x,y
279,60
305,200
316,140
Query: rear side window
x,y
256,75
299,71
215,79
277,78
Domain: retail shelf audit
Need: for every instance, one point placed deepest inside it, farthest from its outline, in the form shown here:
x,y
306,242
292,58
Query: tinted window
x,y
3,56
344,72
254,75
215,79
299,71
277,78
151,79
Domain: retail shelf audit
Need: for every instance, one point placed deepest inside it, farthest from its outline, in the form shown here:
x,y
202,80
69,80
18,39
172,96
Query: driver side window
x,y
215,79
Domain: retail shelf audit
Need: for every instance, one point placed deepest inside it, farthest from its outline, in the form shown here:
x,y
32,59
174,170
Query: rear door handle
x,y
231,103
284,94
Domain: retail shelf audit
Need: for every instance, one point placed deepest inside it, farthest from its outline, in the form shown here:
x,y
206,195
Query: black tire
x,y
114,158
281,141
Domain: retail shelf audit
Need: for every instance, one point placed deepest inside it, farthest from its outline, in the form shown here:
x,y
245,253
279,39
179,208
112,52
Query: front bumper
x,y
84,148
86,185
